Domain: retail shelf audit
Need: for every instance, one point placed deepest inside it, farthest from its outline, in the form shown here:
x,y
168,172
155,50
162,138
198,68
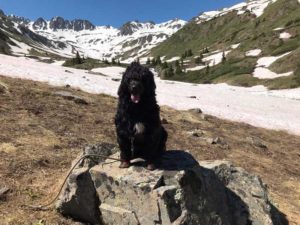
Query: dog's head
x,y
137,83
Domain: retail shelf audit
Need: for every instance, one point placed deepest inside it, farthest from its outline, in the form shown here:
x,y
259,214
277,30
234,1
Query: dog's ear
x,y
150,83
123,90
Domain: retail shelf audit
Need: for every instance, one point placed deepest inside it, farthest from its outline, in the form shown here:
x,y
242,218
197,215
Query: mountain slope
x,y
270,29
132,40
17,39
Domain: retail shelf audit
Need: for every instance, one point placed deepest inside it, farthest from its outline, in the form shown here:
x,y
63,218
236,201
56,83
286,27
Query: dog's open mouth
x,y
135,98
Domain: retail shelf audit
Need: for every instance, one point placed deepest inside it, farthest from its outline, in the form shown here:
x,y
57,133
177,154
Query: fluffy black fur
x,y
139,130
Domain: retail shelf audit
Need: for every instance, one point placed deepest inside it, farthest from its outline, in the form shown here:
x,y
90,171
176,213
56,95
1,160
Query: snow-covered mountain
x,y
134,39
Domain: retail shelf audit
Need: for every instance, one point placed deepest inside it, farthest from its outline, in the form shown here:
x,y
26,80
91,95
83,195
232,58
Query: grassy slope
x,y
252,33
41,134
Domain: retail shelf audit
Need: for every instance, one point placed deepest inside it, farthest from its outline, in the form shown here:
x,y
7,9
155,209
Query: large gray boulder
x,y
181,191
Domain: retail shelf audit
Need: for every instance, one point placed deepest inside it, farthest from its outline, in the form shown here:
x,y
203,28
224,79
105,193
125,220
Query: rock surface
x,y
68,95
180,191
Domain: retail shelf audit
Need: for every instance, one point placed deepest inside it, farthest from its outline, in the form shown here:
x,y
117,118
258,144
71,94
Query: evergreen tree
x,y
205,50
113,61
171,71
118,63
77,59
223,57
207,69
165,65
158,60
148,61
198,60
153,62
189,53
178,69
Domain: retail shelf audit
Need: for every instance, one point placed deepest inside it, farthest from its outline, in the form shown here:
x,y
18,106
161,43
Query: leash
x,y
46,206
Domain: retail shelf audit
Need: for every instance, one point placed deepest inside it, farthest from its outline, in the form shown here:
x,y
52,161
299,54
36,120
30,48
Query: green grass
x,y
252,33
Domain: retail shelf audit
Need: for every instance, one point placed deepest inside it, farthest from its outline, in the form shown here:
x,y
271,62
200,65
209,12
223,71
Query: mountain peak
x,y
40,24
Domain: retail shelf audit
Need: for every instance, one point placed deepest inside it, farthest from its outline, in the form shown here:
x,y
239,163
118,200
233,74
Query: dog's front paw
x,y
139,129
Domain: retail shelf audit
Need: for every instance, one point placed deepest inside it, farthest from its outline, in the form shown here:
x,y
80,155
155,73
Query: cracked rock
x,y
180,192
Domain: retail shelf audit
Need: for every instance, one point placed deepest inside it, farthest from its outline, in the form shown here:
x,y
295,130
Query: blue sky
x,y
112,12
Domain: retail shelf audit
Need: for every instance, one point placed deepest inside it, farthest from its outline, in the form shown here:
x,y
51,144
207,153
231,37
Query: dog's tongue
x,y
135,98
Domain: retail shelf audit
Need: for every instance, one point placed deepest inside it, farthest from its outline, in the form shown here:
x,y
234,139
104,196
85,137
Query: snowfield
x,y
262,72
254,52
256,106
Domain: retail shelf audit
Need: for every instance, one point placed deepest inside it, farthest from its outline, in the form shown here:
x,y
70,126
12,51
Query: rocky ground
x,y
43,129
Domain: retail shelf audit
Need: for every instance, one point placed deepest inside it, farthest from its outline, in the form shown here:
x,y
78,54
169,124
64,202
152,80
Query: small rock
x,y
68,86
193,96
68,95
164,121
68,71
196,110
3,192
196,133
3,88
217,140
115,79
257,142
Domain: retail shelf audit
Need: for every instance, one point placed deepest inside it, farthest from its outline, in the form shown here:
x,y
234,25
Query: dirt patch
x,y
41,133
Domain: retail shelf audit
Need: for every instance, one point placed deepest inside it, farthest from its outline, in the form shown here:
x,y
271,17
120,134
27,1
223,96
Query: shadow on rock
x,y
180,191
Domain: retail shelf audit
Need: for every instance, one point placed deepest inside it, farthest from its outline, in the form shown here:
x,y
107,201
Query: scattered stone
x,y
3,88
115,79
68,71
164,121
180,191
217,140
196,133
196,110
3,192
257,142
68,86
193,96
203,116
68,95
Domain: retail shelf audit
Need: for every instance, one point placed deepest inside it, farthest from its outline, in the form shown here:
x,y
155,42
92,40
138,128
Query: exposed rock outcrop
x,y
59,23
180,191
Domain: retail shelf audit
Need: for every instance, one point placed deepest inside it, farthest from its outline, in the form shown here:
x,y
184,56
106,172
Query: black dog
x,y
139,130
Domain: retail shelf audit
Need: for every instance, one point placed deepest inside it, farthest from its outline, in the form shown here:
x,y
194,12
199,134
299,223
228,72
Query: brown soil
x,y
41,133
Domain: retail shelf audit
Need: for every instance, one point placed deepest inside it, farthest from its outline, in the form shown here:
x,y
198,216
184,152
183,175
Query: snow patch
x,y
110,71
235,46
254,52
20,48
285,35
265,73
255,7
173,59
267,61
256,106
215,59
195,68
262,72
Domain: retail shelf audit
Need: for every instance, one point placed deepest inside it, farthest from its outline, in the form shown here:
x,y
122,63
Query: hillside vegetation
x,y
250,32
